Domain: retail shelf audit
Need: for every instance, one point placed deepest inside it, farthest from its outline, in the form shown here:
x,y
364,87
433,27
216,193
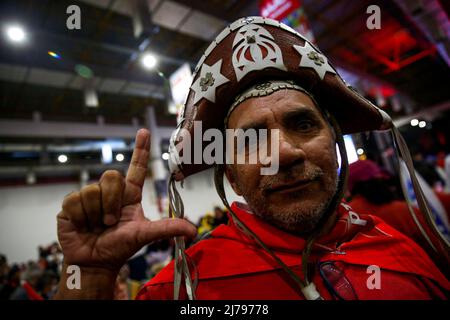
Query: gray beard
x,y
298,221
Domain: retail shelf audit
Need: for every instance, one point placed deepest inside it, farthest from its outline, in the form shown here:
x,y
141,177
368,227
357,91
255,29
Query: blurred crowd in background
x,y
371,189
38,279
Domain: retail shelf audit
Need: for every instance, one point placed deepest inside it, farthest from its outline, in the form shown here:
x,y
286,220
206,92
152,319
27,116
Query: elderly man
x,y
294,239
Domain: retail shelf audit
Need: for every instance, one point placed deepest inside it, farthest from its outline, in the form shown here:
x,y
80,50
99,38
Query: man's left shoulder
x,y
376,243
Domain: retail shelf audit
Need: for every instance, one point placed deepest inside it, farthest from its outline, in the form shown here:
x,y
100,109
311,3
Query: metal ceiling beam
x,y
38,59
312,14
57,170
432,20
35,55
233,11
47,36
369,52
76,130
342,34
46,129
430,113
229,13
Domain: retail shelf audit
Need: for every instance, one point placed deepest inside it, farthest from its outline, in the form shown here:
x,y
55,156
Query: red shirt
x,y
230,265
394,213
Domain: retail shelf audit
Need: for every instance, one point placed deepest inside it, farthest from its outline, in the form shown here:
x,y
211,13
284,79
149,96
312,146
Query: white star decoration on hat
x,y
206,84
312,59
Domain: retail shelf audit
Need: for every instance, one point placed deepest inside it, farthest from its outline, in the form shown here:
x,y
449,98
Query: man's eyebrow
x,y
253,125
287,117
298,114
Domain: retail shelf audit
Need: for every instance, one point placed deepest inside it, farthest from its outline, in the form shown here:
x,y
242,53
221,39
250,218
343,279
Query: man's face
x,y
296,197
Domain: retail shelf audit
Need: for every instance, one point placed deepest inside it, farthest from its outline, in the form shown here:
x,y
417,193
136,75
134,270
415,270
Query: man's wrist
x,y
93,283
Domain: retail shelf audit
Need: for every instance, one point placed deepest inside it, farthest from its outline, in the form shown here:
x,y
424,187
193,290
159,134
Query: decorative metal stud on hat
x,y
312,59
245,53
206,84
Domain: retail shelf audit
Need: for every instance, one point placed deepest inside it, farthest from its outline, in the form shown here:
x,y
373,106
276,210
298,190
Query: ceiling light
x,y
120,157
62,158
149,61
15,34
165,156
414,122
360,151
107,155
422,124
54,55
84,71
31,178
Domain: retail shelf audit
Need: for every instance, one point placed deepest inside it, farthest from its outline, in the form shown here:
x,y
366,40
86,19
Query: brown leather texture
x,y
353,112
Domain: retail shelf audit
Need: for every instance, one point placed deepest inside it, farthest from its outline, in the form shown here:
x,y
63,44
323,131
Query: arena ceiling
x,y
403,56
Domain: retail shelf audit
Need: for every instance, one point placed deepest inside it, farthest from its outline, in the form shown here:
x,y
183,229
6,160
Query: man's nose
x,y
290,152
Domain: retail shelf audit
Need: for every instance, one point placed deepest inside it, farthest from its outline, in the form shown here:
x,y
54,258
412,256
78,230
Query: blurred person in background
x,y
205,224
47,284
4,268
442,188
210,221
431,170
28,288
34,280
447,172
220,216
158,255
4,279
444,195
11,283
121,291
427,170
371,193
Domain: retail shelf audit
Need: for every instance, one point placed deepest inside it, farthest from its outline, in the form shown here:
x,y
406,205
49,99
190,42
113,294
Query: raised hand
x,y
103,224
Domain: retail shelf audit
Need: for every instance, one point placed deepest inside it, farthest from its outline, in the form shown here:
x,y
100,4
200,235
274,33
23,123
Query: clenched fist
x,y
103,225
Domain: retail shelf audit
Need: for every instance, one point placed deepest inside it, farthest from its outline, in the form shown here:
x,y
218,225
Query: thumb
x,y
150,231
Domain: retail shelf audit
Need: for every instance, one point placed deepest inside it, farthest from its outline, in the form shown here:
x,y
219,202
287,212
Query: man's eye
x,y
305,125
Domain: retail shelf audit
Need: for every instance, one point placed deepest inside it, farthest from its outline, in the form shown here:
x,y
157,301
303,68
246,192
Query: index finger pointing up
x,y
138,168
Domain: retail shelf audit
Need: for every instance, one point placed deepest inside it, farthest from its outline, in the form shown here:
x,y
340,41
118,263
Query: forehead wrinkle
x,y
293,105
256,103
273,102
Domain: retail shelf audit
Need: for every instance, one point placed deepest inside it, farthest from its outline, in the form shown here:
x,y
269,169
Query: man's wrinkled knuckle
x,y
111,175
70,200
91,189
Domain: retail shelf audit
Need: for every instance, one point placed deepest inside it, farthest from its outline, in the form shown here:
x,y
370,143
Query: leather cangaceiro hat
x,y
255,48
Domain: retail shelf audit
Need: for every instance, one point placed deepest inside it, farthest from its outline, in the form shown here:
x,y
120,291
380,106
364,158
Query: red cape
x,y
229,265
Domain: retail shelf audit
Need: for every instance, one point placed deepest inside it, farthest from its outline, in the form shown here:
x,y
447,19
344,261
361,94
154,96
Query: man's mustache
x,y
287,176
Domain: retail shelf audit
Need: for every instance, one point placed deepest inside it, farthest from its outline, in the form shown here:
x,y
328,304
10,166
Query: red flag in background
x,y
290,12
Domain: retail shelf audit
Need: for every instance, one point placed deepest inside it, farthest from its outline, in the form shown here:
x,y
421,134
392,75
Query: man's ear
x,y
231,179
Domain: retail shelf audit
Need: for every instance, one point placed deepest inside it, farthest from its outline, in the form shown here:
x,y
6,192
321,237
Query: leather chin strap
x,y
182,262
